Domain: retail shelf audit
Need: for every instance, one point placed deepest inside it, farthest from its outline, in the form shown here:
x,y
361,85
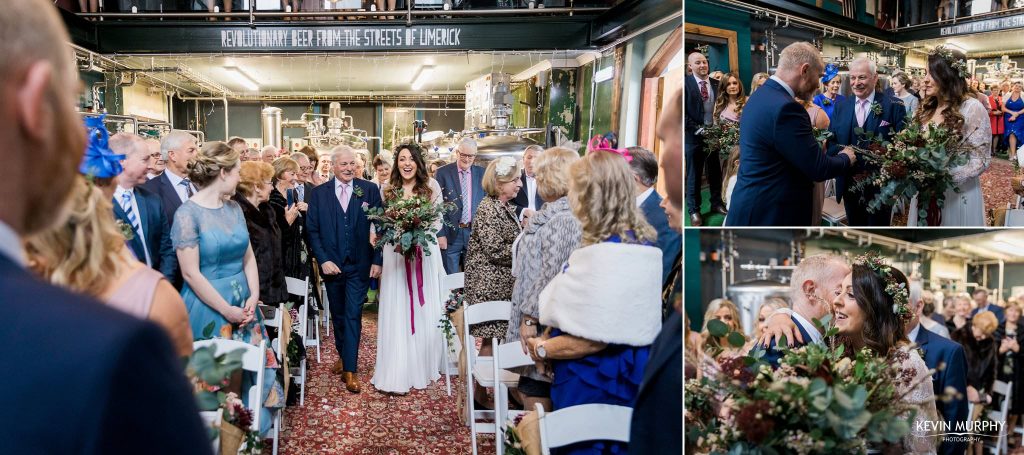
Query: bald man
x,y
700,105
71,357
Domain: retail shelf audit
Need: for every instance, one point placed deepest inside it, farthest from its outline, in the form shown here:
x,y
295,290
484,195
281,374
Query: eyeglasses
x,y
466,156
306,168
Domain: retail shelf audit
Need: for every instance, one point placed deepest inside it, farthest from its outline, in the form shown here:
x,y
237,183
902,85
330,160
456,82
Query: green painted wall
x,y
708,15
602,107
560,109
585,89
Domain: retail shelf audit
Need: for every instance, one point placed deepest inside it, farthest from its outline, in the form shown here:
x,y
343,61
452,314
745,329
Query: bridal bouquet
x,y
721,138
916,162
820,400
407,223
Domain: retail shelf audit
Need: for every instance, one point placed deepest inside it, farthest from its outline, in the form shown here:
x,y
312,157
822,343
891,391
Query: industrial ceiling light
x,y
242,78
422,77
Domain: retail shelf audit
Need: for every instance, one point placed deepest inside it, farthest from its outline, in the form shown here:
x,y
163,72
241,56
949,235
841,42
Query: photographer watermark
x,y
965,431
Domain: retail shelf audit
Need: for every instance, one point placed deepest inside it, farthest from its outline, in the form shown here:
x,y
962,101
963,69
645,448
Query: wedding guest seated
x,y
1011,336
489,255
552,234
604,308
78,372
961,313
981,351
252,195
645,174
88,254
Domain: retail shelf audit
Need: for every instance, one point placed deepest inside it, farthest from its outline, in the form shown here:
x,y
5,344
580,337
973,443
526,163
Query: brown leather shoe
x,y
337,368
351,381
695,220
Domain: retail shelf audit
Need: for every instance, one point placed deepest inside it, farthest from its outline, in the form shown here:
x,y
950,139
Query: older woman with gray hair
x,y
545,244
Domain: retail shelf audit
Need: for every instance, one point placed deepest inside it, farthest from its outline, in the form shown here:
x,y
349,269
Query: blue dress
x,y
611,376
223,238
1016,127
827,104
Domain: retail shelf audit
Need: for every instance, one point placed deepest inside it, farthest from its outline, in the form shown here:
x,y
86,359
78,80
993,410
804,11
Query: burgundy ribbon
x,y
418,259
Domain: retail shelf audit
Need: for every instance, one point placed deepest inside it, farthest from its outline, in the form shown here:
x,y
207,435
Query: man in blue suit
x,y
875,113
947,358
79,371
526,201
815,281
142,210
779,158
173,186
339,235
981,304
645,174
456,180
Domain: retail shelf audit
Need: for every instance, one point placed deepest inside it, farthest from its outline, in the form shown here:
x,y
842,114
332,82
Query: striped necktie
x,y
126,205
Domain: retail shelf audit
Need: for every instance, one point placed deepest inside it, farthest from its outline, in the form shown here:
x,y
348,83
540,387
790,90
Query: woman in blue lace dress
x,y
604,308
221,288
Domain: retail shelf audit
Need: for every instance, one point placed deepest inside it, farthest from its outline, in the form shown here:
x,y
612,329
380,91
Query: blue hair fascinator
x,y
99,160
831,71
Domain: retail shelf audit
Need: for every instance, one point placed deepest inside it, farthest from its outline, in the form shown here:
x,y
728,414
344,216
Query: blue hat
x,y
831,71
99,160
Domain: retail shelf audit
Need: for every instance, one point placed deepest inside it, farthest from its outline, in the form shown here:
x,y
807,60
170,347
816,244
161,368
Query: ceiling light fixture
x,y
422,77
242,78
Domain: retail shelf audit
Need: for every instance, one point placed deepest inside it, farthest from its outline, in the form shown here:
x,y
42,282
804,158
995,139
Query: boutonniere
x,y
876,108
126,230
358,191
365,206
826,101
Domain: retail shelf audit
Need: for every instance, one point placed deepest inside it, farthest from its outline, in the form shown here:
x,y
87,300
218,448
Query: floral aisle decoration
x,y
721,137
210,374
454,302
512,441
820,400
915,162
408,224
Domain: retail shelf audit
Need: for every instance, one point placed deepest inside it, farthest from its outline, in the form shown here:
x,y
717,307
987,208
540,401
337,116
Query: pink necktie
x,y
862,112
343,197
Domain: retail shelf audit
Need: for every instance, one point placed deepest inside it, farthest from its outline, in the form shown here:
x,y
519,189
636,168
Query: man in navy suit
x,y
875,113
339,235
173,186
780,159
700,106
142,210
981,304
815,281
947,358
79,371
456,180
645,174
526,201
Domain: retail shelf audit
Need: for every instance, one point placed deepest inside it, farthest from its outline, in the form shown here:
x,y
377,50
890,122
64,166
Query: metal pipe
x,y
125,119
1001,276
224,99
96,94
337,14
170,106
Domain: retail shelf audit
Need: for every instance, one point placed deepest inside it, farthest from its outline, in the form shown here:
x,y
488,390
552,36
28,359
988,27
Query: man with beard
x,y
781,158
72,358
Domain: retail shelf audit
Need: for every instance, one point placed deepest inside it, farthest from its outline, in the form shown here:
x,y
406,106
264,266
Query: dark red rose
x,y
896,170
877,148
755,422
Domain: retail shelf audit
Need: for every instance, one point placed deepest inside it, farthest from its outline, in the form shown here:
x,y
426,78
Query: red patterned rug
x,y
995,186
336,421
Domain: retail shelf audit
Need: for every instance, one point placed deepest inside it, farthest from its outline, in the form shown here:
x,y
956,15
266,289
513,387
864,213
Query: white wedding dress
x,y
967,208
406,360
921,399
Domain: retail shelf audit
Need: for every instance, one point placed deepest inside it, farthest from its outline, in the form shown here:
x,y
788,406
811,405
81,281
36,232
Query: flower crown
x,y
960,65
898,291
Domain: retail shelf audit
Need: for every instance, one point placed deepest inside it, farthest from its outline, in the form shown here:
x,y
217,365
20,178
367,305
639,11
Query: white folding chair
x,y
506,356
450,283
255,361
325,318
1005,390
585,422
479,368
299,287
274,321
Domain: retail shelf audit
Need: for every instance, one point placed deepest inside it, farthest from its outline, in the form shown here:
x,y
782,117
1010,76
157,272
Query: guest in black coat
x,y
1011,364
290,212
265,236
981,351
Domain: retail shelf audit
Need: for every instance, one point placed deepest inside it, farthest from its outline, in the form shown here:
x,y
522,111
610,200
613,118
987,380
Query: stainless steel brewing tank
x,y
271,126
492,147
749,295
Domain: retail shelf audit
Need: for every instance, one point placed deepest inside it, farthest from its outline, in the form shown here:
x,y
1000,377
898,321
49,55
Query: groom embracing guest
x,y
700,106
781,158
339,235
815,281
946,358
875,113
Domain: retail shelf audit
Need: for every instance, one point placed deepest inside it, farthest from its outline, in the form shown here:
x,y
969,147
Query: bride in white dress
x,y
948,103
409,349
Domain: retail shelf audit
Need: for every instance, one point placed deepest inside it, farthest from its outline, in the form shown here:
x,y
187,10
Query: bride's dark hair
x,y
883,328
951,90
395,183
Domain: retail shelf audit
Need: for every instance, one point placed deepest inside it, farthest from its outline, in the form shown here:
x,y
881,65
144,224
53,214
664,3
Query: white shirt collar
x,y
121,190
912,336
338,183
175,178
643,196
10,245
784,85
706,79
809,327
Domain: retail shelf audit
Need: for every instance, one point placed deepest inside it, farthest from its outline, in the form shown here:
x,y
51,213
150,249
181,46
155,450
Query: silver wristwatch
x,y
541,352
529,322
